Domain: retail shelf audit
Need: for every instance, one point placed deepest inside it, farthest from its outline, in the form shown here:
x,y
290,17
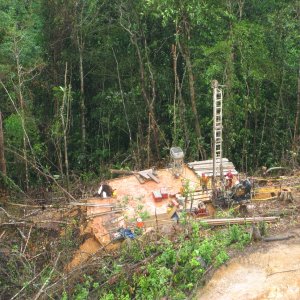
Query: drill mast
x,y
217,131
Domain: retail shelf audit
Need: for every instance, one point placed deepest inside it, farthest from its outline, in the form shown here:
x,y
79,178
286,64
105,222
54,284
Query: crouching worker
x,y
104,191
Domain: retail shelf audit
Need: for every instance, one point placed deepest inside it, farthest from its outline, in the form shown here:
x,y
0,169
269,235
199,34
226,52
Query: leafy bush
x,y
172,269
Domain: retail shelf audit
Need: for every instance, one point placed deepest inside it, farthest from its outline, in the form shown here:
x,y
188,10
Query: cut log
x,y
221,222
265,199
105,213
121,172
278,238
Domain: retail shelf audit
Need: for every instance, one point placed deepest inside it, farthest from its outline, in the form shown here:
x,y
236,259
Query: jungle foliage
x,y
87,85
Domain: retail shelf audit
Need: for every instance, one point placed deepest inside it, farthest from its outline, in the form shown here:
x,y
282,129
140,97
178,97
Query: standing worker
x,y
229,179
204,182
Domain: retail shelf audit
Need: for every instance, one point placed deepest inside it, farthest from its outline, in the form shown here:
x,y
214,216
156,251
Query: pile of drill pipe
x,y
220,222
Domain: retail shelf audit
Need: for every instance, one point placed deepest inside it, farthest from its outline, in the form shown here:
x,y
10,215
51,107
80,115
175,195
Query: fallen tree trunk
x,y
220,222
277,238
121,172
105,213
265,199
32,223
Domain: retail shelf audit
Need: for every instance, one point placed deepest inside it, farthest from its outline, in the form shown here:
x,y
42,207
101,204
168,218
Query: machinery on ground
x,y
238,194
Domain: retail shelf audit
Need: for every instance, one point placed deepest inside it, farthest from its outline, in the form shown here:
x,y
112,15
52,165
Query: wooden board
x,y
206,166
153,177
234,172
145,173
209,161
148,174
210,167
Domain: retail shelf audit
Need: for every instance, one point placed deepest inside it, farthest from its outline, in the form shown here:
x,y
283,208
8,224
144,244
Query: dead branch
x,y
6,213
21,234
105,213
27,239
31,206
32,223
2,234
26,285
77,269
46,281
38,169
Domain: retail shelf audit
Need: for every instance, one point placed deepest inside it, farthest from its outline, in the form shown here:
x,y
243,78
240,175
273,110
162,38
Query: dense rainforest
x,y
92,85
88,85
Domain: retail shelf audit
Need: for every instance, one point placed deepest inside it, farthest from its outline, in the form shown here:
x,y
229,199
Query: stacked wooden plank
x,y
193,199
200,196
206,166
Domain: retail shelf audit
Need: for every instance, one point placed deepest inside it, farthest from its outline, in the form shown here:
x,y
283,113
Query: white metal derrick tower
x,y
217,130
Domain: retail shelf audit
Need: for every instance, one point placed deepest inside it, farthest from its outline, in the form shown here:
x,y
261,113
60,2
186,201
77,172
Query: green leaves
x,y
252,49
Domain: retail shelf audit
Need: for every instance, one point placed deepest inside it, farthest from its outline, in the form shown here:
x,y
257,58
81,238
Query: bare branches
x,y
16,221
43,173
28,237
47,280
26,285
122,96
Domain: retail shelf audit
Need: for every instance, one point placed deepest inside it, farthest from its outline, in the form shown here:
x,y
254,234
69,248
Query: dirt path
x,y
270,272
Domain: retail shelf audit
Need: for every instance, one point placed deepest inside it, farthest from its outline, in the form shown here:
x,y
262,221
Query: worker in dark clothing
x,y
104,191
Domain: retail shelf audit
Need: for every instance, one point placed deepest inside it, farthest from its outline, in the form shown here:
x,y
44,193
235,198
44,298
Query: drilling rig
x,y
222,197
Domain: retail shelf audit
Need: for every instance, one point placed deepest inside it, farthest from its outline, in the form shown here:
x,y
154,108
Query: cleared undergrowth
x,y
152,266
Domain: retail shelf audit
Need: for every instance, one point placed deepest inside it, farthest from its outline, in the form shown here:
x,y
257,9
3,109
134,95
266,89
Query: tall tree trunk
x,y
174,56
152,101
181,105
186,55
2,157
149,103
22,107
246,125
65,107
123,100
82,99
229,73
296,126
